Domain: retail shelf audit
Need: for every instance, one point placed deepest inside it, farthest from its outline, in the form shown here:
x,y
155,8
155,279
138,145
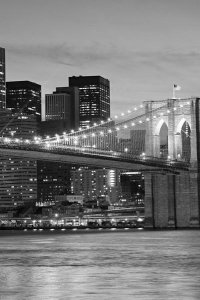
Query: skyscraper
x,y
18,176
61,114
94,97
63,104
93,184
2,79
24,97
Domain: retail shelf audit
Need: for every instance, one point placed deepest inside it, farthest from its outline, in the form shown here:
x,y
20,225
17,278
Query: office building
x,y
24,97
53,179
2,79
94,184
61,114
94,97
63,104
18,176
132,184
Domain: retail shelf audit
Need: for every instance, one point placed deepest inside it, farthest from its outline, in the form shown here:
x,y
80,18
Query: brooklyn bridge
x,y
158,138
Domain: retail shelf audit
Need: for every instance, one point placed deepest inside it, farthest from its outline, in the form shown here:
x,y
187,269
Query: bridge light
x,y
154,117
93,134
147,119
174,108
109,130
84,136
94,146
101,133
135,108
95,124
168,111
129,111
87,126
161,113
12,133
7,140
125,149
117,128
102,122
188,102
181,105
108,119
141,106
132,124
116,117
140,121
72,131
122,114
125,126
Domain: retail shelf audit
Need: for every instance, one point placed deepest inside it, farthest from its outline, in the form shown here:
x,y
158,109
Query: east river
x,y
104,265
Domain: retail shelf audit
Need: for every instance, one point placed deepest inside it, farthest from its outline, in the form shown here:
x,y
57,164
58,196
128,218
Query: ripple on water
x,y
129,265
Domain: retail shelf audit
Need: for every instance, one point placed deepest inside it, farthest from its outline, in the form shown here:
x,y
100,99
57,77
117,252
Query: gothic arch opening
x,y
163,140
186,145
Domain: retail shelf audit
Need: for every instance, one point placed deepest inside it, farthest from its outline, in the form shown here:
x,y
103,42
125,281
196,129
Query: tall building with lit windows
x,y
2,79
62,110
18,175
93,184
94,97
24,97
61,114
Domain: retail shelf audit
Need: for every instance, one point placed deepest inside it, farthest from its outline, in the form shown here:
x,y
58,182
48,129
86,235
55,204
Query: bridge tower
x,y
173,200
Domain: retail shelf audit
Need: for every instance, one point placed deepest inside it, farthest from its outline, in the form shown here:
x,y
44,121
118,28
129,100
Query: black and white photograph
x,y
99,150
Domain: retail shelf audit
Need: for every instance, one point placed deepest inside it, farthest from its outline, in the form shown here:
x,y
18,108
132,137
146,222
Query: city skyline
x,y
142,47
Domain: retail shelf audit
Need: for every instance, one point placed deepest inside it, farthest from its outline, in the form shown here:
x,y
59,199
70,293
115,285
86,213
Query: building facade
x,y
61,115
24,97
18,176
94,97
63,104
2,79
94,184
53,179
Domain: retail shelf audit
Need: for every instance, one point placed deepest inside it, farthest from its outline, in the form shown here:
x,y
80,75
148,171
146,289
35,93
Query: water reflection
x,y
128,265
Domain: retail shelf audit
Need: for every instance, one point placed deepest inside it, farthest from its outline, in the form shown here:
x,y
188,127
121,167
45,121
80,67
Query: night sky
x,y
142,46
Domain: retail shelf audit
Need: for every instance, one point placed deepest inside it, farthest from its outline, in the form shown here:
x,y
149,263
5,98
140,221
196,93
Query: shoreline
x,y
9,232
14,232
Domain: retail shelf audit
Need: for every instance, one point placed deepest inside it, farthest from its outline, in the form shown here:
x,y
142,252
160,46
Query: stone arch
x,y
182,140
161,139
158,126
180,125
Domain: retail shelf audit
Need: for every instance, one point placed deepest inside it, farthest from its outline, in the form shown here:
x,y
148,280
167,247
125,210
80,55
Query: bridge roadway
x,y
87,157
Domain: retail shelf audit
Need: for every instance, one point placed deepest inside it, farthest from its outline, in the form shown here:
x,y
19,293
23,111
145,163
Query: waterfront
x,y
108,265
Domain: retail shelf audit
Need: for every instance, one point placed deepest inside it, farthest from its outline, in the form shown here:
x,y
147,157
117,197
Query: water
x,y
115,265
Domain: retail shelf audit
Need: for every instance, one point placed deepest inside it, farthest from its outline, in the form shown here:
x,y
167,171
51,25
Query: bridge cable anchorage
x,y
122,138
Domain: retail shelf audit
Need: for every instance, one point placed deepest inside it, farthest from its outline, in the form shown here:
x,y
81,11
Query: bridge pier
x,y
171,201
